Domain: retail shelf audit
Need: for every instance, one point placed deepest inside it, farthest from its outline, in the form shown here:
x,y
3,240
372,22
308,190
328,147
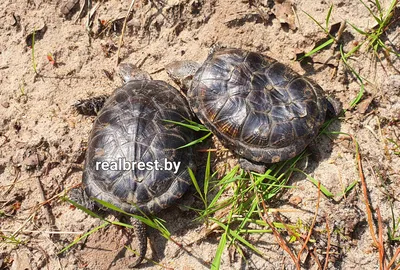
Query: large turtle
x,y
129,128
257,107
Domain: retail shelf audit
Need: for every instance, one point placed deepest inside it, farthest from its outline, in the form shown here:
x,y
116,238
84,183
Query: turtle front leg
x,y
141,234
90,106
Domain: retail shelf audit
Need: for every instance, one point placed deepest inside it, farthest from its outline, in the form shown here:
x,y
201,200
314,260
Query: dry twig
x,y
312,224
121,38
280,240
328,245
377,242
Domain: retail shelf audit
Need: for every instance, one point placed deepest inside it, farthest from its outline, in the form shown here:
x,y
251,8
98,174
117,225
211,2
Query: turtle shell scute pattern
x,y
258,107
131,127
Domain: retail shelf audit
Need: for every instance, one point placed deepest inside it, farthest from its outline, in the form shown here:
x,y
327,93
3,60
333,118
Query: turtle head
x,y
129,72
182,72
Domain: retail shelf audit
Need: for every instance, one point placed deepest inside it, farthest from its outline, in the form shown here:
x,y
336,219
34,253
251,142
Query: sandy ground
x,y
42,139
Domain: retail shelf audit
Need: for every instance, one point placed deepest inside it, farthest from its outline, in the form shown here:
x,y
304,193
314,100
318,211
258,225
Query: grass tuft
x,y
373,37
12,240
236,207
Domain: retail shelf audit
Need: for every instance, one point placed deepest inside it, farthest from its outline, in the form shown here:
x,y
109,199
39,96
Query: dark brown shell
x,y
258,107
132,126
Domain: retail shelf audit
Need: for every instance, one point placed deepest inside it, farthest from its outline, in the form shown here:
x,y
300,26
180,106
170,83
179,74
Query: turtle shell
x,y
130,130
257,107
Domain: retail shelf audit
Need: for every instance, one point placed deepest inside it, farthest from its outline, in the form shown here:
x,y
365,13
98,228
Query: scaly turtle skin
x,y
131,126
257,107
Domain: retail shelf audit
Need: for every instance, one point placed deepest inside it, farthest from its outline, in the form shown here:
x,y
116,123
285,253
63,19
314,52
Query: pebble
x,y
295,200
5,104
68,6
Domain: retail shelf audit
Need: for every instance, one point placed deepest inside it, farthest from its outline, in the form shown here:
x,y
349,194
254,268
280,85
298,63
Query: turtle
x,y
256,106
132,128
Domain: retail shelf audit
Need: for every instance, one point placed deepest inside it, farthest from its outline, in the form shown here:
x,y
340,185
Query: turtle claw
x,y
140,230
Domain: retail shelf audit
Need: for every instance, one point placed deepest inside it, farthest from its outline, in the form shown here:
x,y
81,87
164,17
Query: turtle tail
x,y
141,233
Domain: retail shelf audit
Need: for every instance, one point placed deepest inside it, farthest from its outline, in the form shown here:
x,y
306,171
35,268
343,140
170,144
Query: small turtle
x,y
130,130
257,107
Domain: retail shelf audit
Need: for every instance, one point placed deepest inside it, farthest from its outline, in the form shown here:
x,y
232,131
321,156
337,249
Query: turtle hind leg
x,y
248,165
334,107
90,106
141,234
79,196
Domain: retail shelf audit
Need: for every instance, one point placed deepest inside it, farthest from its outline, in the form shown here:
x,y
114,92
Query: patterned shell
x,y
258,107
131,127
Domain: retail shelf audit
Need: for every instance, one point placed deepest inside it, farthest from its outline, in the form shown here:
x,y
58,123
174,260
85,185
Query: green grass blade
x,y
346,190
83,237
161,228
383,45
378,5
320,26
357,99
220,249
222,184
196,184
317,49
235,235
207,174
328,17
12,240
192,125
358,29
122,224
196,141
144,219
110,206
394,229
323,189
213,203
84,209
353,50
372,13
390,10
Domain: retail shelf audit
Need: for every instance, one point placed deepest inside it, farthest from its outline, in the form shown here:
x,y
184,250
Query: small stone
x,y
31,161
295,200
5,104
